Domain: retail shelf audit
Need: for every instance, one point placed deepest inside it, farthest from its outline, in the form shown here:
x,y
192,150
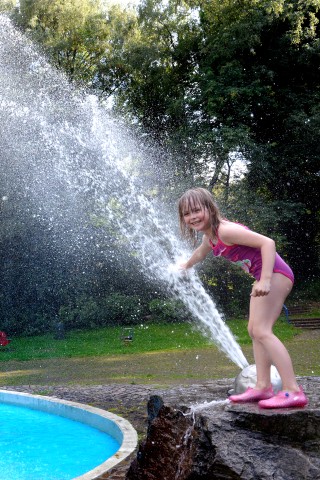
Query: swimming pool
x,y
46,438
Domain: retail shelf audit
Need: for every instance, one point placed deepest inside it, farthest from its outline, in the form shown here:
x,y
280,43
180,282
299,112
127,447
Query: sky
x,y
123,3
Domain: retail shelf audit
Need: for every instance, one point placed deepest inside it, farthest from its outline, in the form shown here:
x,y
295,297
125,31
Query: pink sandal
x,y
252,395
285,399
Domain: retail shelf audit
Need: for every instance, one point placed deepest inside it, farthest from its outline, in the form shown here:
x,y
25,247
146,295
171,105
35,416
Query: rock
x,y
248,378
166,453
220,440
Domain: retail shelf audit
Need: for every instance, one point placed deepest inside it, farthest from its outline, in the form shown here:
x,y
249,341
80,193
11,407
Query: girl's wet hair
x,y
189,201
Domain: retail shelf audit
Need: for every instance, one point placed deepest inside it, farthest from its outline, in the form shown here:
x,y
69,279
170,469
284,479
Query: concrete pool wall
x,y
116,426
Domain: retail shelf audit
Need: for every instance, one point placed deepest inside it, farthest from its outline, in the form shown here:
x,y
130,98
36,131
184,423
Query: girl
x,y
273,282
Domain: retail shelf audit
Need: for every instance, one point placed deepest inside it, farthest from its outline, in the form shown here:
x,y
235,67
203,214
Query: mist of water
x,y
65,156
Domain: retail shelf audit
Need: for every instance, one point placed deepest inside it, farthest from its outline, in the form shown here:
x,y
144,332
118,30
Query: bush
x,y
228,286
86,314
25,322
115,309
169,310
122,309
307,291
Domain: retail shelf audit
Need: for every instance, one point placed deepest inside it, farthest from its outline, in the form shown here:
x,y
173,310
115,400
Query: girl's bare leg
x,y
268,349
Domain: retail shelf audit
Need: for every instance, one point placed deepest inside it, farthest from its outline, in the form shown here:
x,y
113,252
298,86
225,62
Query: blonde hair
x,y
191,199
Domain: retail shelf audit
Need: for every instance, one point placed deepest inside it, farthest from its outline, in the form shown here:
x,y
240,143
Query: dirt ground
x,y
160,368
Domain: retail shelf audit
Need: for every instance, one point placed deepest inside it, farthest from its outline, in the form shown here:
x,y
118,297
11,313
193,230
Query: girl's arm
x,y
198,255
231,233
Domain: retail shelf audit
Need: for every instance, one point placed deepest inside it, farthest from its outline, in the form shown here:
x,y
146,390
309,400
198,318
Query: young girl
x,y
273,282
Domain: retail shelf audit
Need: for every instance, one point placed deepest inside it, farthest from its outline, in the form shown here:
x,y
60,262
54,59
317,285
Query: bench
x,y
300,309
301,321
127,335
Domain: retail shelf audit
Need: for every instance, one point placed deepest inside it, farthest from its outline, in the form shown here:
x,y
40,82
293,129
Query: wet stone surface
x,y
210,437
220,440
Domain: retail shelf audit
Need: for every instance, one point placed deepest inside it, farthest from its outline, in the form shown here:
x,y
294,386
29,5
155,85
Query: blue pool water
x,y
36,445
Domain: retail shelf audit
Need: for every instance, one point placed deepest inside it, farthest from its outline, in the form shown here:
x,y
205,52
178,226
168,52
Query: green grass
x,y
107,341
282,329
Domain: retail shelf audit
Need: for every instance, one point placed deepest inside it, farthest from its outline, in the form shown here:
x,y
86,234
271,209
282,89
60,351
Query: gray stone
x,y
248,376
220,440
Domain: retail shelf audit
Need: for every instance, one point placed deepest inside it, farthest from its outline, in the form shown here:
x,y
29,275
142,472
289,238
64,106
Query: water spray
x,y
70,158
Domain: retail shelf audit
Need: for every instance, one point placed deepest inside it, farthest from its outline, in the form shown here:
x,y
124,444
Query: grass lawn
x,y
159,354
107,341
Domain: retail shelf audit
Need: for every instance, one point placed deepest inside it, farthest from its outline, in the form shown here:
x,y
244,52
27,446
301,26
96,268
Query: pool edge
x,y
116,426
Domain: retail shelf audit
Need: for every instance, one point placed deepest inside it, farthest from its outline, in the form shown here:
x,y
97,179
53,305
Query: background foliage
x,y
214,84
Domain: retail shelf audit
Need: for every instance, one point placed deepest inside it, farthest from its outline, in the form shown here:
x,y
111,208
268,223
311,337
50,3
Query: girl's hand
x,y
179,267
261,288
183,266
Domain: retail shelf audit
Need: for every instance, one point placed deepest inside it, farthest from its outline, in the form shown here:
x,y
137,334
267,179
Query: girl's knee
x,y
259,334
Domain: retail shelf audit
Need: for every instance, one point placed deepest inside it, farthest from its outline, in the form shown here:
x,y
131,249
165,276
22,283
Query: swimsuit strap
x,y
220,242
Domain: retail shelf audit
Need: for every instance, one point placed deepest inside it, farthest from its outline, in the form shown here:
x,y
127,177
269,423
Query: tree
x,y
209,80
212,79
151,64
73,33
260,70
6,5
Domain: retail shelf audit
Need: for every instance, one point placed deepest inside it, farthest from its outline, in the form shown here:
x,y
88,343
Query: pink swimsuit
x,y
249,259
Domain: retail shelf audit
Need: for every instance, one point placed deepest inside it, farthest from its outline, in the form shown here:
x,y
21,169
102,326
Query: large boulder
x,y
219,440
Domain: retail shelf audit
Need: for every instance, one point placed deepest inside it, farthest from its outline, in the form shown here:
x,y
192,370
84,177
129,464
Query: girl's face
x,y
197,217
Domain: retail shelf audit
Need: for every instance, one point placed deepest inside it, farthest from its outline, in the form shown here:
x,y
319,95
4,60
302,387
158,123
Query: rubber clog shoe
x,y
252,395
285,399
